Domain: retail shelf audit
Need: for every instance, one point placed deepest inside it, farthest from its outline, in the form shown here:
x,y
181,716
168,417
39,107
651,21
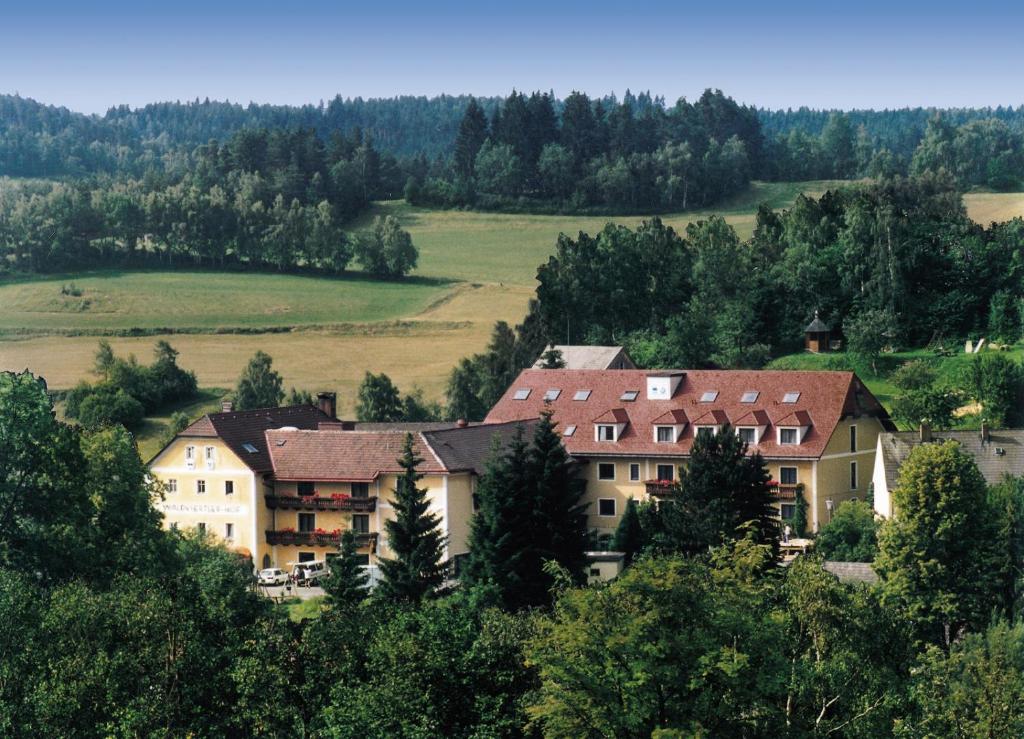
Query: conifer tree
x,y
471,136
346,586
413,536
629,535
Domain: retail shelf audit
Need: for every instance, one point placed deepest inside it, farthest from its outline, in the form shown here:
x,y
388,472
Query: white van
x,y
309,573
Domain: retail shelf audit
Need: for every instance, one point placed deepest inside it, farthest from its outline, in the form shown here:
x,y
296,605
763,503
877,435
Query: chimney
x,y
461,423
926,432
226,405
984,432
327,403
348,425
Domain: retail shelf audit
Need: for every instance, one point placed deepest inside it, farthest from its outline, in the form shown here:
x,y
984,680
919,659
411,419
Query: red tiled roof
x,y
674,417
796,418
328,455
753,418
824,396
716,417
615,415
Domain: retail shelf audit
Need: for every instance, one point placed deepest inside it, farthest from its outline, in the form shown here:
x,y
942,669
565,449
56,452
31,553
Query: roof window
x,y
552,394
581,395
791,397
709,396
569,431
750,396
629,395
249,448
522,394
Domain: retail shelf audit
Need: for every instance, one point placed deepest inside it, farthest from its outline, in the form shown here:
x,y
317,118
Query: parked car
x,y
273,576
309,573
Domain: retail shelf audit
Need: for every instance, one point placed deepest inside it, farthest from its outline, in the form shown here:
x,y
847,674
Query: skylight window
x,y
552,394
249,448
709,397
630,395
791,397
750,396
569,431
581,395
522,394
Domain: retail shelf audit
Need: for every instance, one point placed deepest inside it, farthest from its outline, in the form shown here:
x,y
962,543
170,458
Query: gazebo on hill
x,y
818,336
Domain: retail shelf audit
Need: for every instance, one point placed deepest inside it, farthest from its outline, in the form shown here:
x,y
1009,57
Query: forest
x,y
112,626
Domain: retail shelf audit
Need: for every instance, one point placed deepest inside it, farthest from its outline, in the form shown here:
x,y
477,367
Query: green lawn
x,y
205,300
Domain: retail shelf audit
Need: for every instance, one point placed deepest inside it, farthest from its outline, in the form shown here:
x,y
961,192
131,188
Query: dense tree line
x,y
112,626
276,199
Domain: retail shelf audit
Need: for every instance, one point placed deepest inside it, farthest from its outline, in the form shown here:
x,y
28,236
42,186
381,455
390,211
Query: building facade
x,y
633,429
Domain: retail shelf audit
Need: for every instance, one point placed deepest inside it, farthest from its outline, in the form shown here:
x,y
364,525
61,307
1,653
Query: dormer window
x,y
750,396
581,395
606,432
551,395
698,430
710,396
748,434
789,436
630,395
791,397
664,434
521,394
569,431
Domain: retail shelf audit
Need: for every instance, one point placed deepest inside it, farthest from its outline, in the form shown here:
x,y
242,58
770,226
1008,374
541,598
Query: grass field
x,y
324,333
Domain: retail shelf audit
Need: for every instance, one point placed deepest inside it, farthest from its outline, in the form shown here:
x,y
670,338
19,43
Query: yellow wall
x,y
834,466
187,508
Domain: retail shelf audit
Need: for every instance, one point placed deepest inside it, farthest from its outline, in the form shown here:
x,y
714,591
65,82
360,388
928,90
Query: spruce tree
x,y
471,136
346,586
413,536
629,535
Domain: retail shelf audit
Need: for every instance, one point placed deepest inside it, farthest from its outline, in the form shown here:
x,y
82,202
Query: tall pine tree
x,y
413,536
346,586
471,136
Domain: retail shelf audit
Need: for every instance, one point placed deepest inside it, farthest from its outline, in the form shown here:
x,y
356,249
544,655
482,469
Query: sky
x,y
89,56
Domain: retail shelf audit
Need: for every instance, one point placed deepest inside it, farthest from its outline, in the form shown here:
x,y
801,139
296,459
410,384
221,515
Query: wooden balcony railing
x,y
660,488
783,492
317,538
320,503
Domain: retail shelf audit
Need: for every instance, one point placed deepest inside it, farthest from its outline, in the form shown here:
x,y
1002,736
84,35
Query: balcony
x,y
660,488
319,538
321,503
783,492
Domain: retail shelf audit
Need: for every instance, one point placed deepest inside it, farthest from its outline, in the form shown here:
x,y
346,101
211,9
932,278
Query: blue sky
x,y
91,55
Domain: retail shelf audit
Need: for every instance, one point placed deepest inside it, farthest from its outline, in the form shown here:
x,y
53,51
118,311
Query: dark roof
x,y
817,326
404,426
239,428
468,448
897,446
852,572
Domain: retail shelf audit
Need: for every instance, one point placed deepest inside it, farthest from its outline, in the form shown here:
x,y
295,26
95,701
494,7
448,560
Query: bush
x,y
851,535
107,405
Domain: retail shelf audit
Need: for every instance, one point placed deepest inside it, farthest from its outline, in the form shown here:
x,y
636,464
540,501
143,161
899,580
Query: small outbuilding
x,y
818,336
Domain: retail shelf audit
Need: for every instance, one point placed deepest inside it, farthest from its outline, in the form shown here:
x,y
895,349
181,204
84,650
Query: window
x,y
595,572
552,394
853,438
787,475
606,507
629,395
789,436
521,394
791,397
634,472
249,448
209,454
363,560
853,475
606,471
201,527
569,431
229,531
172,486
705,430
709,397
307,522
666,472
750,396
581,395
605,433
229,487
476,502
306,557
361,523
190,457
200,486
666,433
174,525
748,434
305,488
788,511
360,490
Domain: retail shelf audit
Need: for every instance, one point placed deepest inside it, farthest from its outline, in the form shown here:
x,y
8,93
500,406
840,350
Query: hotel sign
x,y
206,509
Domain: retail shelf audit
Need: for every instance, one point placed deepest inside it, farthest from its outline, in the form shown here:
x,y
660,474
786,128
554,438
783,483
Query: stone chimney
x,y
327,402
926,432
461,423
984,432
226,405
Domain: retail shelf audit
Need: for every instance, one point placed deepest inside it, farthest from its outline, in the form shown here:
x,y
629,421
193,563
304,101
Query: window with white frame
x,y
606,471
605,432
581,395
606,506
521,394
229,531
698,430
634,471
569,430
229,487
787,475
200,486
552,394
789,436
210,455
201,527
172,486
791,397
630,395
665,434
750,396
709,396
190,457
747,433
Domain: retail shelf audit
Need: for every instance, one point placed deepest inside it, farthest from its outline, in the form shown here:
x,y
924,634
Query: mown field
x,y
324,333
